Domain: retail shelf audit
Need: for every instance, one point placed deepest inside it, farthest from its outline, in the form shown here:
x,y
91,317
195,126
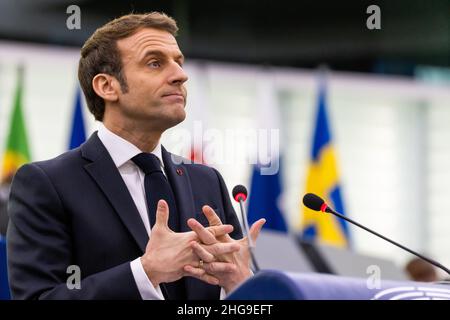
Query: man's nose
x,y
178,75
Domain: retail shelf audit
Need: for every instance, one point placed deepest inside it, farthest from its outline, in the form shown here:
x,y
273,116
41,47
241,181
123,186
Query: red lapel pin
x,y
179,172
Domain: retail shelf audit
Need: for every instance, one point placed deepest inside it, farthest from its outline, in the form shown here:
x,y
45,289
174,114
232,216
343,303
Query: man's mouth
x,y
174,96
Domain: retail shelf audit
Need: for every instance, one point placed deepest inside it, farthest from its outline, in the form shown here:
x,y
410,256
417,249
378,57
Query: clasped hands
x,y
208,254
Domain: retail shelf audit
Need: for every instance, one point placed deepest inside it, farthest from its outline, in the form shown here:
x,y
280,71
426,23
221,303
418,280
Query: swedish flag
x,y
323,180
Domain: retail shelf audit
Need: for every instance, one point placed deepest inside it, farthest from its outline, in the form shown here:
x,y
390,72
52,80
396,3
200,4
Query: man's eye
x,y
154,64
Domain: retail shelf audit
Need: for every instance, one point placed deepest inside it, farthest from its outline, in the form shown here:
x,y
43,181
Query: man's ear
x,y
106,86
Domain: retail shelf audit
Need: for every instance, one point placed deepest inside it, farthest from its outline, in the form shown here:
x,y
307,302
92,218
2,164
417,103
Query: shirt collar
x,y
121,150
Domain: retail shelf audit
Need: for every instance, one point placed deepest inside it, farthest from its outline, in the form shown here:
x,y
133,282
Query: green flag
x,y
17,152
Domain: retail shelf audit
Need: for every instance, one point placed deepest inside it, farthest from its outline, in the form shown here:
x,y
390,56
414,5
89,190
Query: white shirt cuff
x,y
144,285
223,294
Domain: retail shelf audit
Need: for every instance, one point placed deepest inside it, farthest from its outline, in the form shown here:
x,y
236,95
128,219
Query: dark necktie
x,y
157,187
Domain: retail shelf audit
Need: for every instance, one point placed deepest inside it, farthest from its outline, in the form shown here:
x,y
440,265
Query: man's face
x,y
152,65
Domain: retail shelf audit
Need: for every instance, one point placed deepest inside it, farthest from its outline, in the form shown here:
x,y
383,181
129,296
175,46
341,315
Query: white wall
x,y
392,136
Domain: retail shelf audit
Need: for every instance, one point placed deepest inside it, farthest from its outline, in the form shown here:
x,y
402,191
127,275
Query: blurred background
x,y
361,116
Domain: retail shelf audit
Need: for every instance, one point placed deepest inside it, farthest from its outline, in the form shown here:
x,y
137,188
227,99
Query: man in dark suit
x,y
121,217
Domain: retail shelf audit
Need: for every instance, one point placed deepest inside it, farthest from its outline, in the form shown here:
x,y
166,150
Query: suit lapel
x,y
105,173
181,185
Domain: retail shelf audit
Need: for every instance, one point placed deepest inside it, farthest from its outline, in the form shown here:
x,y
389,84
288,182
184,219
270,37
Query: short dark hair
x,y
100,53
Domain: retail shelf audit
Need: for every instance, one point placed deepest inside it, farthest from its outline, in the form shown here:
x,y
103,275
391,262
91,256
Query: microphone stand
x,y
247,234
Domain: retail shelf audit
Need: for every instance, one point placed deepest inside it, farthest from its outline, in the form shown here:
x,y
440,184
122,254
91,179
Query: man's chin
x,y
180,112
175,117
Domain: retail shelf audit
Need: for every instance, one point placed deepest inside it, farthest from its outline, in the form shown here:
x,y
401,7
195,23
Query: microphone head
x,y
239,193
313,202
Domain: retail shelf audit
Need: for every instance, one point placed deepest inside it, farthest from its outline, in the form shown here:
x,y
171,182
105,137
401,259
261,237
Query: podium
x,y
278,285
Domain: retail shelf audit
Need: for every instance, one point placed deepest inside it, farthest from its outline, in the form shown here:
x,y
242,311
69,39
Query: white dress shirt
x,y
121,152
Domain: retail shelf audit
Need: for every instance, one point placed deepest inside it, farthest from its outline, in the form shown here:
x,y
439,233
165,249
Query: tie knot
x,y
148,162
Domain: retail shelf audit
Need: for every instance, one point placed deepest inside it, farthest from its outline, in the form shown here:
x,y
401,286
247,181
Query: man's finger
x,y
213,252
218,231
219,267
162,214
200,274
218,249
204,235
255,229
201,252
211,215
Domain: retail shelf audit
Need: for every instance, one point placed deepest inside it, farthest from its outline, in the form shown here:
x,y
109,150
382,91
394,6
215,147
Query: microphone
x,y
240,195
316,203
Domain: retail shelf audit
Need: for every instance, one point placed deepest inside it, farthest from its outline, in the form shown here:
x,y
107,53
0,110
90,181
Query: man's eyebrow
x,y
158,53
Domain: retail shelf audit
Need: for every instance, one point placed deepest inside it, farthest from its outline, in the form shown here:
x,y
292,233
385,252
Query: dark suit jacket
x,y
76,210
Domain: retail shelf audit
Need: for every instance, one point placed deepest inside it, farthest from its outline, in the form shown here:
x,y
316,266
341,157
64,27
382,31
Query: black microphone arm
x,y
249,238
240,195
329,210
